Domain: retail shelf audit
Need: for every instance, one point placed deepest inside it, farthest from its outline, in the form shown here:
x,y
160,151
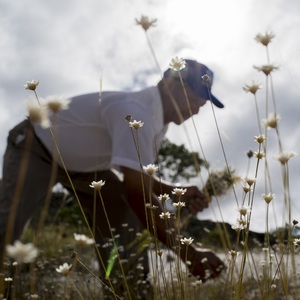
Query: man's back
x,y
93,134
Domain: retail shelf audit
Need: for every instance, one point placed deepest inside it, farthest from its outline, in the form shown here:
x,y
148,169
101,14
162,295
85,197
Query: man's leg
x,y
115,223
26,177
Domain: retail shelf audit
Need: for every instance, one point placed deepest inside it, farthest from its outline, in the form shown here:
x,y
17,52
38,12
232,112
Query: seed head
x,y
177,64
250,181
252,88
260,138
264,39
56,103
266,69
146,22
259,154
37,114
272,120
285,156
31,85
268,197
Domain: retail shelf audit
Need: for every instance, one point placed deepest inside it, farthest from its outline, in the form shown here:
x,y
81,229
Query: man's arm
x,y
139,187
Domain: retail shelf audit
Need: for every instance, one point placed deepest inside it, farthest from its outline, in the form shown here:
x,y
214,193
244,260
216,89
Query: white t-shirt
x,y
93,135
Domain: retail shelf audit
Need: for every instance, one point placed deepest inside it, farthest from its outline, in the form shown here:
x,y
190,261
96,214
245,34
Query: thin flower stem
x,y
37,97
257,114
196,163
223,150
20,183
199,141
48,198
268,246
150,237
97,278
273,95
268,54
155,270
115,246
226,241
73,188
153,54
164,279
186,274
243,263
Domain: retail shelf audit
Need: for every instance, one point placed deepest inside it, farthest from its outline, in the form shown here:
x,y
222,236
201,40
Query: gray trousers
x,y
29,174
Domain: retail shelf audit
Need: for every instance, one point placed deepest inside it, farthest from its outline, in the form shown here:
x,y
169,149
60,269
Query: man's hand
x,y
196,200
204,263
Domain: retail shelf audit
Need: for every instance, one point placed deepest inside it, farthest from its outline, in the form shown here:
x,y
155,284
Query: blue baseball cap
x,y
198,78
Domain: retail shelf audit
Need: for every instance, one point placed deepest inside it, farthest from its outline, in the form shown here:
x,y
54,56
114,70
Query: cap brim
x,y
216,102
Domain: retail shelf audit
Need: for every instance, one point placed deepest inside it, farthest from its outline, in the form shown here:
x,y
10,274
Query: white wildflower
x,y
64,269
244,210
252,88
179,204
136,124
179,192
150,169
233,253
37,114
186,241
56,103
241,222
264,39
260,138
177,64
250,181
260,154
31,85
272,120
285,156
145,22
164,197
165,215
246,189
22,253
196,283
238,226
83,240
296,242
97,185
268,197
266,69
8,279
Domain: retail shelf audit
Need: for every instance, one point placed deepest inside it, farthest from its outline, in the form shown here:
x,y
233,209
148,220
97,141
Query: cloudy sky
x,y
69,45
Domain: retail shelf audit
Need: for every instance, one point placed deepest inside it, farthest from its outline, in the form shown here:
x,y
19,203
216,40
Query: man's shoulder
x,y
85,97
108,95
142,99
